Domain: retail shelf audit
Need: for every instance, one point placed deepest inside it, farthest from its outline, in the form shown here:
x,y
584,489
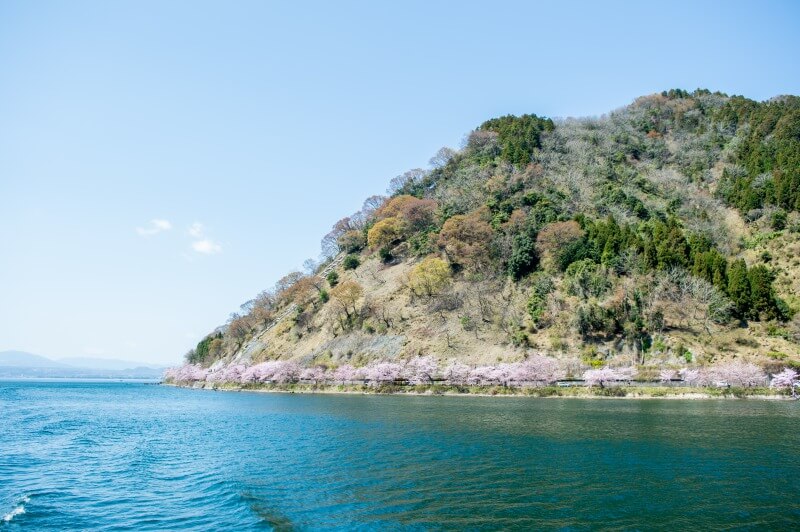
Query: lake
x,y
114,456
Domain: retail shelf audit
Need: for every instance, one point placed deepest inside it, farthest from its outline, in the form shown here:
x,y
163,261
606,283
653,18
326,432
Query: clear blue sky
x,y
267,122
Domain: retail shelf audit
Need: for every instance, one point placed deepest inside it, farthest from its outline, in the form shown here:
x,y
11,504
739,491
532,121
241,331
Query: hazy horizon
x,y
163,163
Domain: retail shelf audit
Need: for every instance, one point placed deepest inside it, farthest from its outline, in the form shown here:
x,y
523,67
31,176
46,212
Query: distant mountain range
x,y
22,364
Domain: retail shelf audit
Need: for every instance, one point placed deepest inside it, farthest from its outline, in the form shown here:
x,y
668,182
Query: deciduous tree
x,y
555,240
466,240
385,233
429,277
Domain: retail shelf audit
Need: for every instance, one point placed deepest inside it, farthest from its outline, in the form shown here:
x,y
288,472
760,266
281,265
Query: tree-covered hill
x,y
663,234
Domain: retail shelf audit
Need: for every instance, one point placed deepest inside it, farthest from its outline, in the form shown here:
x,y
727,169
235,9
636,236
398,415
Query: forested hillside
x,y
665,234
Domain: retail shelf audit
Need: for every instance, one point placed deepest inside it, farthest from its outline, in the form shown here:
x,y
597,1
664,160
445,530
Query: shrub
x,y
351,262
778,220
386,255
333,279
585,278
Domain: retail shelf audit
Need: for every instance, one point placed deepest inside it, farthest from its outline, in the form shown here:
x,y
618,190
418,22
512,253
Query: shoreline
x,y
549,392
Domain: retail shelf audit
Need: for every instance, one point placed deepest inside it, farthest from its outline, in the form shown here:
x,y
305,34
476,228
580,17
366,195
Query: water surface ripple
x,y
129,456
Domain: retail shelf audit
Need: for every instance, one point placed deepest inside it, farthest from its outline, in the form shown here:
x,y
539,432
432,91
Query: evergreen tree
x,y
762,297
739,287
523,258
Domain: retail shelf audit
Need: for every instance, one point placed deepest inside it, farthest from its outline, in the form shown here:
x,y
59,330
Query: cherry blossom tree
x,y
482,375
501,374
667,375
232,373
692,377
738,373
286,372
420,370
382,372
787,378
344,374
186,373
215,376
314,374
601,376
537,370
456,373
249,375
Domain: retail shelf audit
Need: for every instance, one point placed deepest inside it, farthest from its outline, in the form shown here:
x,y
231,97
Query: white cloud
x,y
206,246
156,226
196,230
203,244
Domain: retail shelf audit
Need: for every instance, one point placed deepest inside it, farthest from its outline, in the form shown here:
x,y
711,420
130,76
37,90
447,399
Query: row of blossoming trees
x,y
537,370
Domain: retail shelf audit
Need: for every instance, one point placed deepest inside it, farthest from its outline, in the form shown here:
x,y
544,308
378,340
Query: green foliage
x,y
585,278
352,241
778,220
543,210
592,357
593,320
769,152
574,251
520,339
665,245
201,352
684,353
324,296
467,323
333,278
613,195
523,258
777,355
762,296
351,262
421,244
500,211
385,254
519,136
541,286
739,287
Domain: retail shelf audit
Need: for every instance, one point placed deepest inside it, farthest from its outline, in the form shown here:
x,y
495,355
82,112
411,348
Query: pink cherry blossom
x,y
314,374
286,372
344,374
602,376
382,372
666,375
738,373
787,378
456,373
421,370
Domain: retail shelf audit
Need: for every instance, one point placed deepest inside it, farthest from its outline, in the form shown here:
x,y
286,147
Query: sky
x,y
163,162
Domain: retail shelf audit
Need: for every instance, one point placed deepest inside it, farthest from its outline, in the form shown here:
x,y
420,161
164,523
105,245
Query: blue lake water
x,y
130,456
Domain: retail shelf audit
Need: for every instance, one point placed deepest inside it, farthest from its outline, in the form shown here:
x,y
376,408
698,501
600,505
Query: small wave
x,y
18,510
